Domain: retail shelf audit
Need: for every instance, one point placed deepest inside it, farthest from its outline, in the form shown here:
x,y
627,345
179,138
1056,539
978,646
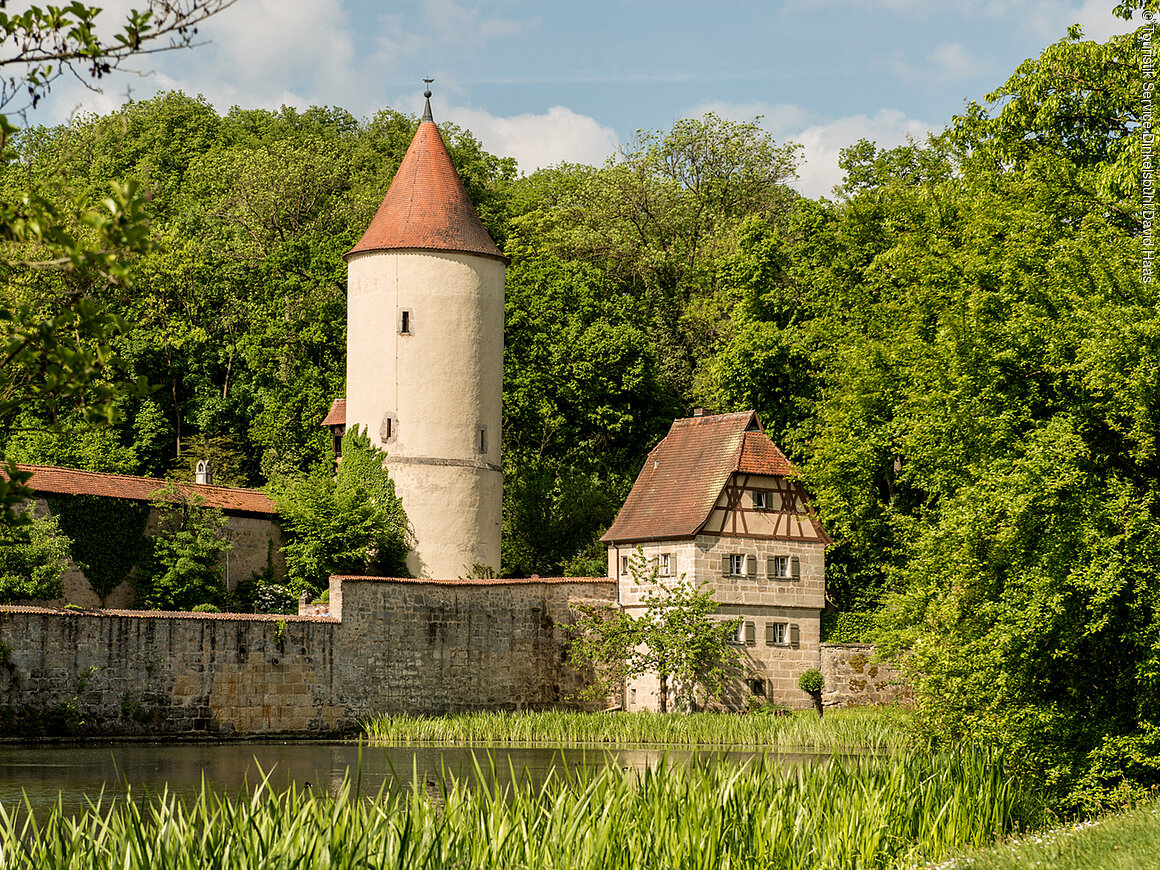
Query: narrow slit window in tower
x,y
481,440
405,322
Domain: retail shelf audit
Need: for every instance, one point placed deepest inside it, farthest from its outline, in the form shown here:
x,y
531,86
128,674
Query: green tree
x,y
984,447
184,565
349,522
582,403
658,217
676,638
59,356
33,558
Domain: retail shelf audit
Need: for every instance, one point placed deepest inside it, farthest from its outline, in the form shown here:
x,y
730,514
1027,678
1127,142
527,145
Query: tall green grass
x,y
1125,841
861,813
858,729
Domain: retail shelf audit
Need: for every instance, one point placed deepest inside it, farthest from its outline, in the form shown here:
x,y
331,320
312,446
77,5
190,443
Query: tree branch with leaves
x,y
678,638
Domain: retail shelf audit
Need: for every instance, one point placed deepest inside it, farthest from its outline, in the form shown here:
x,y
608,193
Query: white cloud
x,y
257,54
819,172
949,61
821,140
559,135
777,118
1049,20
455,23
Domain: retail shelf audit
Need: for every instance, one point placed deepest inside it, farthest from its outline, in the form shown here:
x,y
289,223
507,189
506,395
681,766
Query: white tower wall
x,y
439,385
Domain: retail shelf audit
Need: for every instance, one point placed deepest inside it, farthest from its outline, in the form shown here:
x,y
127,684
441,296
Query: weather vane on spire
x,y
427,116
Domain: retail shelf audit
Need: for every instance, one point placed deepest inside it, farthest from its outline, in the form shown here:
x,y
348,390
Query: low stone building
x,y
717,502
253,528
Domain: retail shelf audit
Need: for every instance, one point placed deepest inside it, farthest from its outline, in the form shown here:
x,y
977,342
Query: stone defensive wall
x,y
854,677
387,645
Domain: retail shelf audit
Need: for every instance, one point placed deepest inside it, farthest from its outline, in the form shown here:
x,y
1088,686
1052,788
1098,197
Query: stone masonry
x,y
854,677
388,646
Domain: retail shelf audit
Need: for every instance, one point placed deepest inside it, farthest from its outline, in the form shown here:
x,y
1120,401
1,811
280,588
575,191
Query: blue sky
x,y
546,81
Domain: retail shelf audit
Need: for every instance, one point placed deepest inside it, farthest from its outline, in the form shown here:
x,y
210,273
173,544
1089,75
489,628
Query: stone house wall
x,y
770,670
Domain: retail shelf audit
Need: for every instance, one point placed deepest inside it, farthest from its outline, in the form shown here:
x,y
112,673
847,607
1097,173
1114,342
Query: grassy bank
x,y
885,812
1126,841
858,729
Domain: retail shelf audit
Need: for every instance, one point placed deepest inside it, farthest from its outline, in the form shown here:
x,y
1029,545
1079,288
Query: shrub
x,y
811,681
32,559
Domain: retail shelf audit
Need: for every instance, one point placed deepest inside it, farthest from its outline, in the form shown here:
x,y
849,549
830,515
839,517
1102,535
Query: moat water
x,y
76,773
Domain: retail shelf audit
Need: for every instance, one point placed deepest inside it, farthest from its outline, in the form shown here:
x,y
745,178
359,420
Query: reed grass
x,y
855,813
879,729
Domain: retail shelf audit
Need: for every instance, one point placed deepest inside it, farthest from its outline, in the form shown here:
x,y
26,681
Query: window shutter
x,y
770,634
756,499
769,567
750,634
751,565
794,635
725,566
795,568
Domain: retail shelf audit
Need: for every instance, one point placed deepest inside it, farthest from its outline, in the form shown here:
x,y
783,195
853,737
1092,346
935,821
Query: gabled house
x,y
718,502
253,527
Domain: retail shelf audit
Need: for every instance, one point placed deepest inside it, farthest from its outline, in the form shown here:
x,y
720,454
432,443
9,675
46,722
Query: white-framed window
x,y
737,564
779,567
624,565
775,633
739,634
761,501
665,564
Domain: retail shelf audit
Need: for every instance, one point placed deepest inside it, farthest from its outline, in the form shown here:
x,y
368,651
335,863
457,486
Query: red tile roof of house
x,y
676,490
70,481
336,416
426,206
759,455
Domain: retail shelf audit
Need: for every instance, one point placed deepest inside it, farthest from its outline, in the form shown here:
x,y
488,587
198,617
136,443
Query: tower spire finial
x,y
427,116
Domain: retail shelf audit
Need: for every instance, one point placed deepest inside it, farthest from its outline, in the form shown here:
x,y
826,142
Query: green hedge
x,y
857,626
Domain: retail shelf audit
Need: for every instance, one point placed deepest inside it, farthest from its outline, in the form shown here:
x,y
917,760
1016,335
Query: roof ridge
x,y
115,474
76,481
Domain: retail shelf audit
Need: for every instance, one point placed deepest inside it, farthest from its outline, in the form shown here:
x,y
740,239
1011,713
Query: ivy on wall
x,y
108,536
856,626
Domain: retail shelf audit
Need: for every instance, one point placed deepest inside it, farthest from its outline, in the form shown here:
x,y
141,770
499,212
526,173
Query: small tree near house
x,y
676,638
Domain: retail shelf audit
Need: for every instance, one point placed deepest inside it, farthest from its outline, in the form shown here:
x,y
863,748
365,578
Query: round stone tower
x,y
424,369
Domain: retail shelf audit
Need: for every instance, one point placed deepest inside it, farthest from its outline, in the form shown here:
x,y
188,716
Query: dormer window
x,y
204,473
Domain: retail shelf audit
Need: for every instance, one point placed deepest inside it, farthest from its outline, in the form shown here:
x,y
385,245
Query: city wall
x,y
386,646
854,677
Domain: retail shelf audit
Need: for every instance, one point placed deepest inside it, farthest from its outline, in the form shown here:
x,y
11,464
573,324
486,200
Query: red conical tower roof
x,y
426,206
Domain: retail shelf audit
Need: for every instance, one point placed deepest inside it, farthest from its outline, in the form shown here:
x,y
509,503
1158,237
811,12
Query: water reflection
x,y
76,772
